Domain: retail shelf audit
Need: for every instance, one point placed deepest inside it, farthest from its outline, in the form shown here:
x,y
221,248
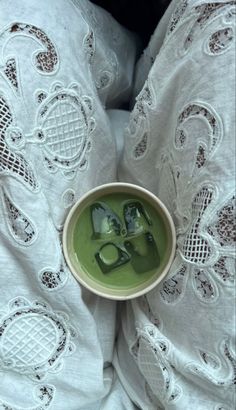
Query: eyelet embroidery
x,y
220,41
68,198
177,16
10,71
209,359
172,289
141,147
204,13
211,140
138,115
46,62
64,127
204,286
224,269
22,229
51,279
43,394
89,46
11,163
224,229
34,339
210,372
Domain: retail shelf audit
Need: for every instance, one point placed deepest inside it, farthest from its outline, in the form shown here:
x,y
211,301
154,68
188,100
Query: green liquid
x,y
144,240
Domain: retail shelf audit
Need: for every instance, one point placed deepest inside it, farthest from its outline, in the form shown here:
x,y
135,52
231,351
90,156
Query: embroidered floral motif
x,y
51,279
64,127
224,229
172,289
11,163
43,394
33,339
20,226
45,61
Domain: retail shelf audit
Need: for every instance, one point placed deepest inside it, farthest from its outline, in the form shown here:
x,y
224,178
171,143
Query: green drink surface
x,y
128,255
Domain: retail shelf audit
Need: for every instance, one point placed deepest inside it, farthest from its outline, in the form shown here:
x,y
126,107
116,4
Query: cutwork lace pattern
x,y
45,61
51,279
12,163
20,226
138,125
215,376
177,15
200,239
34,339
64,127
205,13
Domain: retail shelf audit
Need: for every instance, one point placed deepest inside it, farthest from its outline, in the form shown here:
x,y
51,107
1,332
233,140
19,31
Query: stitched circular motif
x,y
33,338
64,125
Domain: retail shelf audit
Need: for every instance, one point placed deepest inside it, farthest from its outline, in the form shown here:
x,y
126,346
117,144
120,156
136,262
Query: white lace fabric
x,y
62,64
55,144
180,144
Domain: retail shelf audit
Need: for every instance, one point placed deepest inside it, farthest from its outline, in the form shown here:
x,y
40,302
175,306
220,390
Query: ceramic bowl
x,y
119,241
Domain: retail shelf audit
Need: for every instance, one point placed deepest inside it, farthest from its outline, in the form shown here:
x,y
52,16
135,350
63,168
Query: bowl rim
x,y
145,192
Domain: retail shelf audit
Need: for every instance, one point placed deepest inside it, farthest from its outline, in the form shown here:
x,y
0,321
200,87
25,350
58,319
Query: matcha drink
x,y
119,240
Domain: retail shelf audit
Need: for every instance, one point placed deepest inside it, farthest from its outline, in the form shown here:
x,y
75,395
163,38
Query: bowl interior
x,y
131,258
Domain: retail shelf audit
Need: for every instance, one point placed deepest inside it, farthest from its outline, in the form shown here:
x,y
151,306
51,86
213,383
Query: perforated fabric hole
x,y
203,285
224,229
222,270
141,147
220,40
172,289
11,73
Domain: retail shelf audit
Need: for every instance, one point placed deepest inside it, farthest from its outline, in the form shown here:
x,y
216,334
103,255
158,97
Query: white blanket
x,y
64,64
